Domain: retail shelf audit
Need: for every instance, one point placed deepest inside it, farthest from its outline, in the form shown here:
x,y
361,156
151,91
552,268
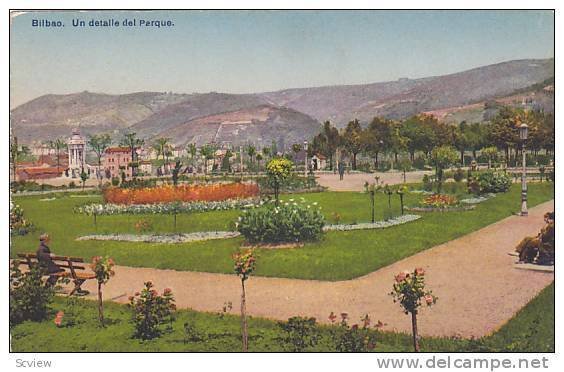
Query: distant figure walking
x,y
341,170
45,260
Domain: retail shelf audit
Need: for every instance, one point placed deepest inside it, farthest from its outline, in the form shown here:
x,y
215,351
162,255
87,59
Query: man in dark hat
x,y
46,261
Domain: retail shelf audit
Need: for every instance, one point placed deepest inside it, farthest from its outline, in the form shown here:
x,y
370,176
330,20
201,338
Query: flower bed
x,y
457,208
376,225
477,199
439,201
169,208
182,193
167,239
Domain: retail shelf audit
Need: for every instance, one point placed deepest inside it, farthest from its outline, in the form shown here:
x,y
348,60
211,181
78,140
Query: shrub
x,y
288,222
458,175
427,183
29,295
151,310
18,224
299,333
115,181
490,182
419,163
192,333
353,339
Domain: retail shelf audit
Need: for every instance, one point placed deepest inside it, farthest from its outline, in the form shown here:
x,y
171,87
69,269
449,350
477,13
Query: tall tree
x,y
57,145
352,139
251,151
130,140
208,152
99,143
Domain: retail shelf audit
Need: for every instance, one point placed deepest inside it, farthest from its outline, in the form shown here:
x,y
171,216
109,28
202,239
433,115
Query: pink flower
x,y
344,316
419,271
167,291
429,299
400,277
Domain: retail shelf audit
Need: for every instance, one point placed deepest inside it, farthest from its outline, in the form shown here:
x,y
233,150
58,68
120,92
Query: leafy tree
x,y
504,131
327,141
160,145
259,158
377,138
266,152
192,150
352,139
443,157
278,170
490,153
99,143
208,152
57,145
130,140
251,151
83,178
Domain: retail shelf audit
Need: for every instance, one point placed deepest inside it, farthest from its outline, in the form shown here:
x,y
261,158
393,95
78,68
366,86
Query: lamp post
x,y
523,134
305,149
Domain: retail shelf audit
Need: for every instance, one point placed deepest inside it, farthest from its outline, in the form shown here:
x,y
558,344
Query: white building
x,y
76,146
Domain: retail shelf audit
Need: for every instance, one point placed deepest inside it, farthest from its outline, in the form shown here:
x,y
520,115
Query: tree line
x,y
422,133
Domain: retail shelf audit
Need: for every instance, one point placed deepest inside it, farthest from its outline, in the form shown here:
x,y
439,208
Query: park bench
x,y
71,271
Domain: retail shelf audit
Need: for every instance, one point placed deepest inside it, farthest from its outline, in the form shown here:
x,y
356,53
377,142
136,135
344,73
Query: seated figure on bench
x,y
45,260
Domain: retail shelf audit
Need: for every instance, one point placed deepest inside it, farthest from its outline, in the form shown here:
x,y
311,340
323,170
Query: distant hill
x,y
192,107
291,111
53,115
260,125
405,97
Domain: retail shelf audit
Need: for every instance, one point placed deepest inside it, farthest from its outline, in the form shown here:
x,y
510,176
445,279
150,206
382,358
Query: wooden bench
x,y
67,264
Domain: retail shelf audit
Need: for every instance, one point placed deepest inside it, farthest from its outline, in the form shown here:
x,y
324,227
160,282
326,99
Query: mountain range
x,y
286,116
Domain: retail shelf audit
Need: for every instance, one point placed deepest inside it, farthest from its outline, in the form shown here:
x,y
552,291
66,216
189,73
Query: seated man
x,y
45,260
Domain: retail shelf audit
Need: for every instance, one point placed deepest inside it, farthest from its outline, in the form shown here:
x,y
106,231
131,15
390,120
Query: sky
x,y
258,51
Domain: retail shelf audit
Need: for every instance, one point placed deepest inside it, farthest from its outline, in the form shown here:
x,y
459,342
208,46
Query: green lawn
x,y
531,330
340,255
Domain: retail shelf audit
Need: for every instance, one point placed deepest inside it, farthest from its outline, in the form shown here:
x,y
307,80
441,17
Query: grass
x,y
338,256
530,330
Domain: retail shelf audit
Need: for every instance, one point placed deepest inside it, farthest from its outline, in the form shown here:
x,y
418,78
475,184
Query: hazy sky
x,y
255,51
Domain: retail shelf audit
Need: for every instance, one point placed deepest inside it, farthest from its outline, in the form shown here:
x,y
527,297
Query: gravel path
x,y
473,276
355,181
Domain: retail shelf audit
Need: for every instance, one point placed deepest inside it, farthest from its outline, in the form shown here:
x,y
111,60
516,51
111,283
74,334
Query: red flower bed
x,y
182,193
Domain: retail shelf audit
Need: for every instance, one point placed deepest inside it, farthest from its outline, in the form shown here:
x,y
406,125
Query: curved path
x,y
473,276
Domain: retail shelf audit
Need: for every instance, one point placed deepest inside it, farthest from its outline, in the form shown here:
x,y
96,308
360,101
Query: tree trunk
x,y
331,161
354,161
100,305
376,160
244,318
414,330
462,157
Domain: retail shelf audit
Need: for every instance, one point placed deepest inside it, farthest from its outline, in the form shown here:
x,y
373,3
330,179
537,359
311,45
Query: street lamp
x,y
523,134
305,149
